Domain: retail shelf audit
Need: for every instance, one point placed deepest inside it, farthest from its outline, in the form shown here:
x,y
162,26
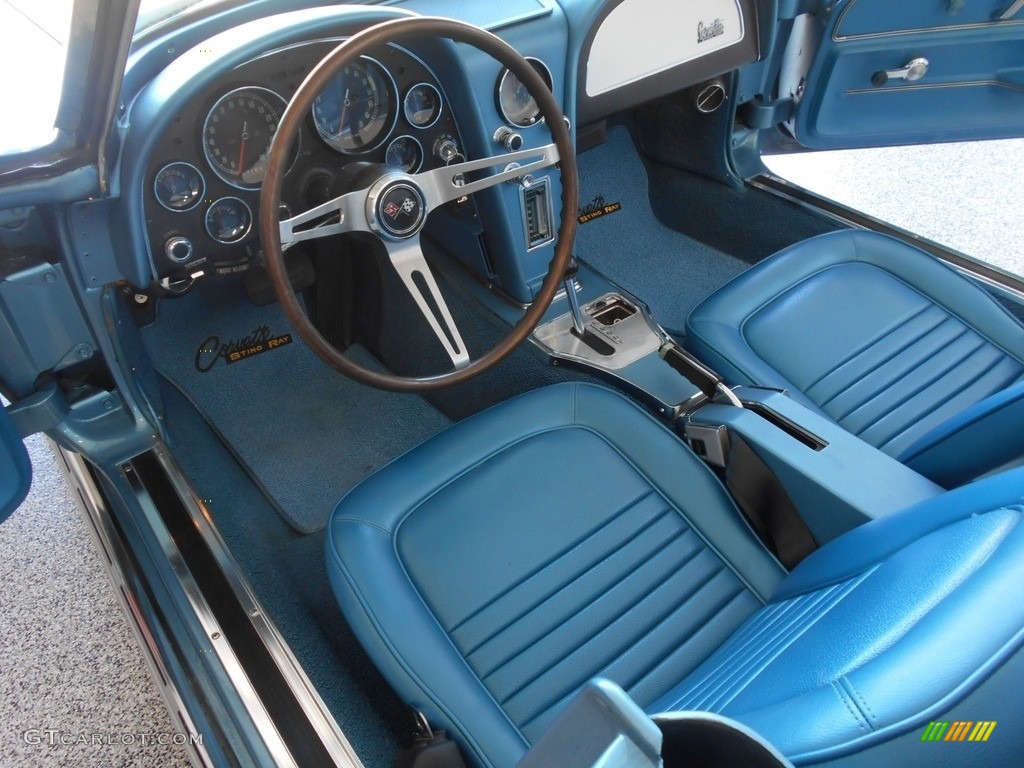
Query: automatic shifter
x,y
579,325
579,320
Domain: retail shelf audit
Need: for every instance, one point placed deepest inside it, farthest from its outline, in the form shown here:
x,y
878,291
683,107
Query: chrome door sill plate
x,y
629,332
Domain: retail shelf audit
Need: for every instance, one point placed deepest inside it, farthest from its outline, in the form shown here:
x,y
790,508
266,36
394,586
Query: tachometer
x,y
357,109
237,135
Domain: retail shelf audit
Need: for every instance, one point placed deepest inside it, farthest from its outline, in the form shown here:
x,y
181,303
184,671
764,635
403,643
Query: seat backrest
x,y
882,338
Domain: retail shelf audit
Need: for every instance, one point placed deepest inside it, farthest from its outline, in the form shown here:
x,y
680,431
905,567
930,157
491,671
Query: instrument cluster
x,y
207,170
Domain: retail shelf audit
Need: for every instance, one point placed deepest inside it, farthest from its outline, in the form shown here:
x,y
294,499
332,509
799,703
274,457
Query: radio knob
x,y
178,249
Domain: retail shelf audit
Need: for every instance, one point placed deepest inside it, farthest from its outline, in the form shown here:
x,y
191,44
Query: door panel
x,y
870,17
969,86
15,469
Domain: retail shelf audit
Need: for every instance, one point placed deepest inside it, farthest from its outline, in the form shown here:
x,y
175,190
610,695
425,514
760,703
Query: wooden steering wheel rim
x,y
277,165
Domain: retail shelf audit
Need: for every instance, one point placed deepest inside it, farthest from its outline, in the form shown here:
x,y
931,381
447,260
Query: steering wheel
x,y
395,205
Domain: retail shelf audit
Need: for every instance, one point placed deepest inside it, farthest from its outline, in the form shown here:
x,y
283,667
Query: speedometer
x,y
237,135
357,109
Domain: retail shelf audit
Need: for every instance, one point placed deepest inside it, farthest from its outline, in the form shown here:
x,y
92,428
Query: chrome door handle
x,y
913,70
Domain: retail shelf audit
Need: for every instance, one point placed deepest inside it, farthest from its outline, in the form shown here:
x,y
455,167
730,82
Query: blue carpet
x,y
305,433
669,271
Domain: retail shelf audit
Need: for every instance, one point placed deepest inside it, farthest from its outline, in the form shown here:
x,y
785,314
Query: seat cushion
x,y
880,337
560,536
833,665
565,534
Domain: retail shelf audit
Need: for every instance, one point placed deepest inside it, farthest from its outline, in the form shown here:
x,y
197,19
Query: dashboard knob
x,y
509,139
178,249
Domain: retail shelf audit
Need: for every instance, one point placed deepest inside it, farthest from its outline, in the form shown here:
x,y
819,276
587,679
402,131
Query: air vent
x,y
711,97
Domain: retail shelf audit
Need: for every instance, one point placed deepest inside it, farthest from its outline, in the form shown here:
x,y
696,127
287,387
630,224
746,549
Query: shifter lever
x,y
579,325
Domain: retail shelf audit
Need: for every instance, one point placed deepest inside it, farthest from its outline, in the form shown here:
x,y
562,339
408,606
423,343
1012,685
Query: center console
x,y
835,480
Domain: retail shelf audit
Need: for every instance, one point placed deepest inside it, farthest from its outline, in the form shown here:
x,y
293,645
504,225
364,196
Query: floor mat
x,y
669,271
305,433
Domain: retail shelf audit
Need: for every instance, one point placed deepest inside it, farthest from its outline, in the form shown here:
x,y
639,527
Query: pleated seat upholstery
x,y
566,534
882,338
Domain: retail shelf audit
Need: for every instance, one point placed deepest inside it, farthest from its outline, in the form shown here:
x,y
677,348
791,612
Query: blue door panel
x,y
870,17
973,87
15,469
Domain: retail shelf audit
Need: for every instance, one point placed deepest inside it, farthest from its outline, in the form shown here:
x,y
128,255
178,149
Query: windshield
x,y
33,37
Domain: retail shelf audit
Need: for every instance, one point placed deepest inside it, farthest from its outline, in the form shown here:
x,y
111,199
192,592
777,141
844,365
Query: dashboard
x,y
203,104
205,172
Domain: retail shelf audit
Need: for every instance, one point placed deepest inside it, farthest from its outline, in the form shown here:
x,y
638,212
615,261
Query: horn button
x,y
397,208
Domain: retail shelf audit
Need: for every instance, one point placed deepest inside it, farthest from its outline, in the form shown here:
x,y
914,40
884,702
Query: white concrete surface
x,y
968,196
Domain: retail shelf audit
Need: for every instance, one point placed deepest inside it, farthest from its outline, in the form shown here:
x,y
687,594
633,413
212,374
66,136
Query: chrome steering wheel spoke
x,y
407,258
443,185
346,213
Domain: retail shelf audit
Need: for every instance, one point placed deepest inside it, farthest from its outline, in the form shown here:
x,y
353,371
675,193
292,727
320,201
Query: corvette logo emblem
x,y
597,208
392,209
706,32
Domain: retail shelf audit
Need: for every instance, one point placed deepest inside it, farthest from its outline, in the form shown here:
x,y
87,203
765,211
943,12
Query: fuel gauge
x,y
179,186
404,153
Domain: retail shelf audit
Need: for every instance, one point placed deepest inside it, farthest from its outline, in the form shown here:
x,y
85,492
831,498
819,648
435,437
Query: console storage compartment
x,y
820,465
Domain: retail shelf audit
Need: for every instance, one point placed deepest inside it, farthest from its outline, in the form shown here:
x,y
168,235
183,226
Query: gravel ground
x,y
71,673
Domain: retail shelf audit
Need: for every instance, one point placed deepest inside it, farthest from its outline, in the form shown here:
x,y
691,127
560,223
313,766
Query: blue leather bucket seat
x,y
566,534
882,338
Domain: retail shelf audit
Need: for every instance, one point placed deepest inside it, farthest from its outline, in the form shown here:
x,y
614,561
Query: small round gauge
x,y
237,135
422,105
179,186
404,153
514,100
357,108
228,220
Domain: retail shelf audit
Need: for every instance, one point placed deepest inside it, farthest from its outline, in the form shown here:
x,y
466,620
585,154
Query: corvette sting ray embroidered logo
x,y
597,208
259,341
